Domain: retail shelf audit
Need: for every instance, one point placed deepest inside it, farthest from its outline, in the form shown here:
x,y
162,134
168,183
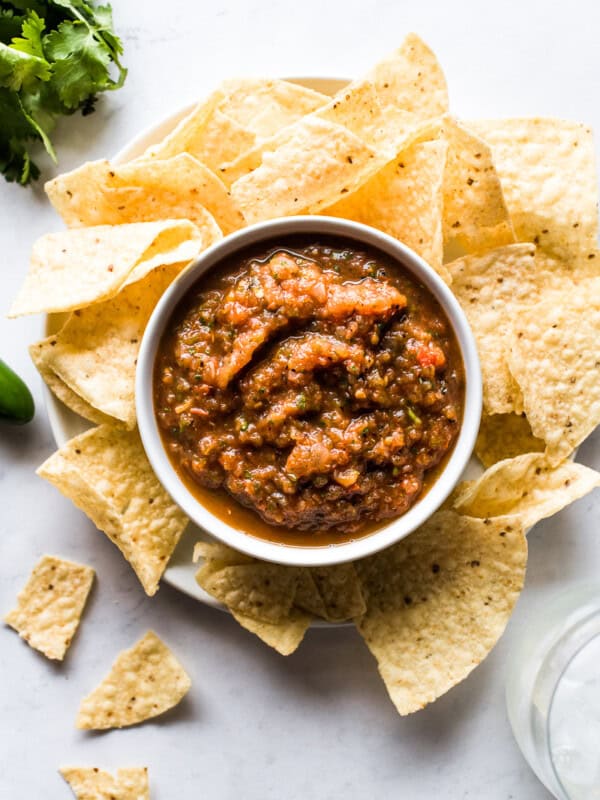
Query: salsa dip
x,y
314,380
309,388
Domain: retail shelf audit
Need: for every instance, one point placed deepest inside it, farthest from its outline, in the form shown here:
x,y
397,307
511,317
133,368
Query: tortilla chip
x,y
308,597
95,353
404,200
50,606
548,174
100,193
438,601
106,474
576,269
206,133
372,110
145,681
276,622
234,118
503,436
91,783
259,590
333,593
357,108
215,145
264,106
411,78
494,289
475,215
219,555
283,636
318,163
553,356
72,269
40,353
526,489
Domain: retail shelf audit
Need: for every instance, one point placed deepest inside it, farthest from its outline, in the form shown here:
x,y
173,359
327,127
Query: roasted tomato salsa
x,y
315,381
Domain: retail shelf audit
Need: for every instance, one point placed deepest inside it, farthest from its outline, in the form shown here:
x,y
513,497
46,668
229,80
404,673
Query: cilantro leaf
x,y
27,5
104,26
31,40
15,131
21,70
40,132
56,56
14,123
80,63
10,24
99,22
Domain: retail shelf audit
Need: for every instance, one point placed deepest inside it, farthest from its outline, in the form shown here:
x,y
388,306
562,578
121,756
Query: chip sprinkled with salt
x,y
106,474
553,357
110,253
548,175
526,489
438,601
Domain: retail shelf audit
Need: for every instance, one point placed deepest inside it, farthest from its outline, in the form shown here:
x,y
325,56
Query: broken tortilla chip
x,y
525,489
438,601
503,436
50,606
493,290
475,216
73,269
145,681
100,193
106,474
404,199
553,357
548,175
91,783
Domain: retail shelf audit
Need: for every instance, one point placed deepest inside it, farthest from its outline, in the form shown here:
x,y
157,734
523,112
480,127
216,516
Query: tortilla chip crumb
x,y
50,606
91,783
145,681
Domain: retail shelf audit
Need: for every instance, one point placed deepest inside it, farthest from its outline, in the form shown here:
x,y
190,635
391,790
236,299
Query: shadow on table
x,y
311,676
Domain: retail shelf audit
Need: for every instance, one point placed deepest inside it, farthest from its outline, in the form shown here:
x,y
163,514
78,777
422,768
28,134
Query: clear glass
x,y
553,693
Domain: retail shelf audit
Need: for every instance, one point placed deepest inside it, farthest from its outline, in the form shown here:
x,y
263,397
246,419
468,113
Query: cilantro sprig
x,y
56,56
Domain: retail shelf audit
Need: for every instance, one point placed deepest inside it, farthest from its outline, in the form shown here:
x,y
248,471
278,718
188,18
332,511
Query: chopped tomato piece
x,y
431,355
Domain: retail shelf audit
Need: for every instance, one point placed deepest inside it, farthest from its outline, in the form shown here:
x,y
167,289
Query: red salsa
x,y
315,381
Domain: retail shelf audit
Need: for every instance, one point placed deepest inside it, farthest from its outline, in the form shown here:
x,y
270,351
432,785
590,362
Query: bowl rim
x,y
305,555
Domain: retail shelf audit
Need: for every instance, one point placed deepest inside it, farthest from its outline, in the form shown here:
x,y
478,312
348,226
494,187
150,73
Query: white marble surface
x,y
255,725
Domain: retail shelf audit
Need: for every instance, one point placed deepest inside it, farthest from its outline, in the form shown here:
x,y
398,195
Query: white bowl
x,y
390,532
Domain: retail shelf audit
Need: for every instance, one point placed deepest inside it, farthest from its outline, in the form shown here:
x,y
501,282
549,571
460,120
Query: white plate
x,y
65,424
